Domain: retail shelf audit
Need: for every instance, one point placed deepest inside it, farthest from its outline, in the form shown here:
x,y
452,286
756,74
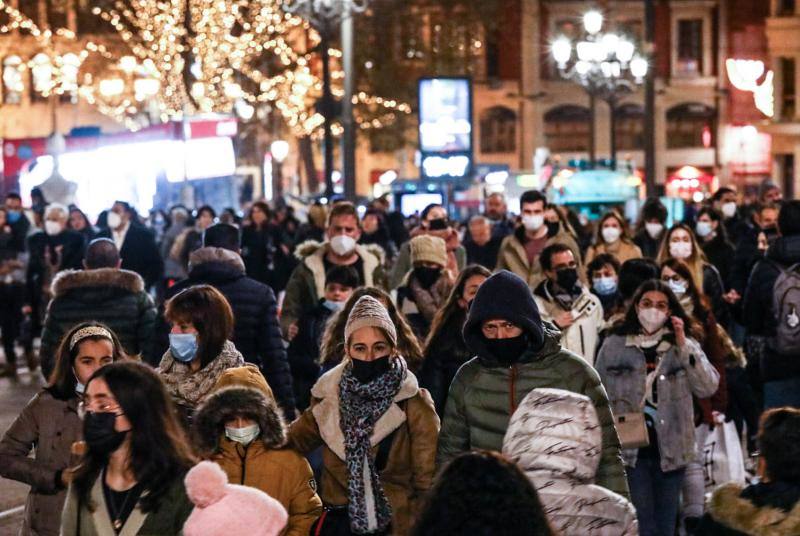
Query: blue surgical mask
x,y
183,346
13,216
604,286
333,305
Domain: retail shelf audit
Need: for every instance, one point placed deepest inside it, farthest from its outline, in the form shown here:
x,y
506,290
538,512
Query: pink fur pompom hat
x,y
223,509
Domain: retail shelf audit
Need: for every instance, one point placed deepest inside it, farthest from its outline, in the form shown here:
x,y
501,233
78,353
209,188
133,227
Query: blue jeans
x,y
656,496
778,394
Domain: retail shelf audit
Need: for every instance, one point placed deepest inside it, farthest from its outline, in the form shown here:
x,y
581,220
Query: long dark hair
x,y
481,492
630,325
263,207
700,302
209,311
451,310
62,380
332,345
159,450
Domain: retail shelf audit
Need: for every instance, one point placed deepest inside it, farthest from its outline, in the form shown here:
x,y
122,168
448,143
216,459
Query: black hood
x,y
785,250
504,295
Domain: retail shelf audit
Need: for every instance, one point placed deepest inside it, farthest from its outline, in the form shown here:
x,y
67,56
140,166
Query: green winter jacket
x,y
484,394
306,286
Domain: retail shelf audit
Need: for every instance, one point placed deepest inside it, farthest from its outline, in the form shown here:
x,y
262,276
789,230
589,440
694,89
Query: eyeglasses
x,y
490,330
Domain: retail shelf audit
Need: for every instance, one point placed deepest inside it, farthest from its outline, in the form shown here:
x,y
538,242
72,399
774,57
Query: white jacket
x,y
555,438
582,336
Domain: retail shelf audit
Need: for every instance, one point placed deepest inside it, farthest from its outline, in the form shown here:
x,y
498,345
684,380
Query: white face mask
x,y
703,228
245,435
343,245
533,223
654,229
677,287
729,209
680,250
113,219
79,387
611,234
652,319
52,228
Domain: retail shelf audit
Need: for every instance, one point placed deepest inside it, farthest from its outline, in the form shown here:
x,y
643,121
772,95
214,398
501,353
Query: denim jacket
x,y
680,373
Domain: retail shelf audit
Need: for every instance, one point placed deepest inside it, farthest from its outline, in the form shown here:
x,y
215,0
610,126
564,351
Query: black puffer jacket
x,y
256,332
444,355
109,295
759,316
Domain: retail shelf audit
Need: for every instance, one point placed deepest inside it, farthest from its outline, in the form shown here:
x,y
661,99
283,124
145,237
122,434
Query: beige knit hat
x,y
427,248
369,312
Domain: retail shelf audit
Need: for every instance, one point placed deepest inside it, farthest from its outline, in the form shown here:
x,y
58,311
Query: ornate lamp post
x,y
606,65
324,15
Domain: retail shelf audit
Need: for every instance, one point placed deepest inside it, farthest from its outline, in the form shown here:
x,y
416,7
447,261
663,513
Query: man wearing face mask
x,y
651,228
765,222
517,352
776,326
306,286
427,285
519,252
724,200
17,220
241,428
136,244
563,300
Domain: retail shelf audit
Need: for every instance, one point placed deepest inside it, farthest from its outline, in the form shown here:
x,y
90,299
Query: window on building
x,y
788,88
41,76
498,130
785,8
691,125
70,65
629,127
566,129
13,84
690,46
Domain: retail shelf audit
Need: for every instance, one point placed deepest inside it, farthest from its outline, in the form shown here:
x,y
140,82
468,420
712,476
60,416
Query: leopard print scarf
x,y
362,404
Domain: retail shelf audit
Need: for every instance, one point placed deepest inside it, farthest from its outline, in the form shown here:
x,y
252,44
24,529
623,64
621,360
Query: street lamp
x,y
606,65
324,15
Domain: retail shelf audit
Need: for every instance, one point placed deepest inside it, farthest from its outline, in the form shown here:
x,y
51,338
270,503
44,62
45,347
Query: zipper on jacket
x,y
583,346
513,389
243,459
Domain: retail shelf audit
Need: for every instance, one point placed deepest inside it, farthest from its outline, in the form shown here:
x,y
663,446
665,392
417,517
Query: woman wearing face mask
x,y
714,239
199,349
378,431
241,428
264,248
680,243
612,237
651,365
332,350
427,285
49,425
650,228
445,349
720,350
192,238
130,481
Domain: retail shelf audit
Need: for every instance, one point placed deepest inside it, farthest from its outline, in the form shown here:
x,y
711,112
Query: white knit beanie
x,y
369,312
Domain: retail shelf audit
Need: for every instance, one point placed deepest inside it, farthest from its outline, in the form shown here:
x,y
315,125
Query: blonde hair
x,y
696,261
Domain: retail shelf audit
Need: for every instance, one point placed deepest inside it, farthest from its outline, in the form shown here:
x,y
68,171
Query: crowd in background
x,y
363,372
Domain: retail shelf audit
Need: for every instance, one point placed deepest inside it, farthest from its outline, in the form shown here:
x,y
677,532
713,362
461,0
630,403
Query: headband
x,y
89,331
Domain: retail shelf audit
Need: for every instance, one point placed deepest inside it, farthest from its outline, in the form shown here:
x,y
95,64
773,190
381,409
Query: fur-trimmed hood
x,y
216,255
68,280
209,421
731,506
312,253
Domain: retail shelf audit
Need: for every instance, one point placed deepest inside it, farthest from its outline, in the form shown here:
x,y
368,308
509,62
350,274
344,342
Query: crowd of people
x,y
367,373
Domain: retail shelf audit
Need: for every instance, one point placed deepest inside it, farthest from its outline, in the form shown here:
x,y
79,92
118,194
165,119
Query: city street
x,y
13,397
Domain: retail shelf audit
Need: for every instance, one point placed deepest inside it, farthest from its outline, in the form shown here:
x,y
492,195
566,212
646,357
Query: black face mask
x,y
427,276
439,224
507,351
99,433
567,278
553,227
367,371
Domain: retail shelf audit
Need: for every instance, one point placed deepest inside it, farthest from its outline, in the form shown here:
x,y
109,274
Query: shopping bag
x,y
723,460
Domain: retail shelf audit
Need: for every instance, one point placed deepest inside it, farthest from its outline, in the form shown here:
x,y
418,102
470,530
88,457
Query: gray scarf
x,y
362,404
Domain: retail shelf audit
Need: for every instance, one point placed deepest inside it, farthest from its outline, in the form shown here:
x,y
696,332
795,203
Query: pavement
x,y
13,397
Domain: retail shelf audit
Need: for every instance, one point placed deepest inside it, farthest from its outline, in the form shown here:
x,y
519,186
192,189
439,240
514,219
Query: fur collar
x,y
67,280
312,255
327,414
209,422
730,509
211,254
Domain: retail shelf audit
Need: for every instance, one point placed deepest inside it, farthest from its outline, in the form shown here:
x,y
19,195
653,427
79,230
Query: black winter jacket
x,y
256,332
648,245
759,315
767,508
714,288
139,253
444,355
304,352
114,297
720,253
